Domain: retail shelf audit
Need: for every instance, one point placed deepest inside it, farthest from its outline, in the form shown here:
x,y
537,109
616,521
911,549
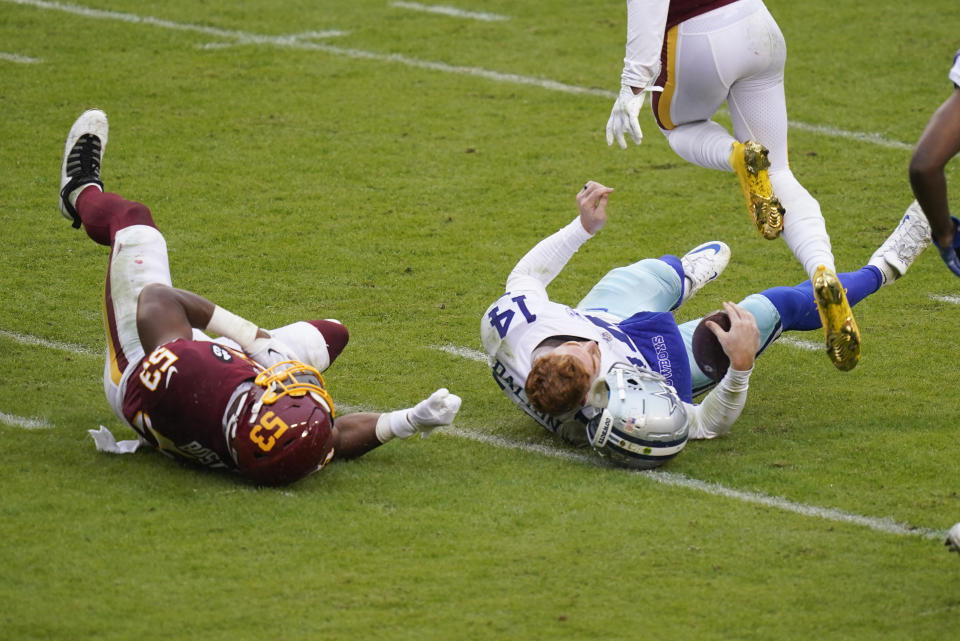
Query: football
x,y
708,353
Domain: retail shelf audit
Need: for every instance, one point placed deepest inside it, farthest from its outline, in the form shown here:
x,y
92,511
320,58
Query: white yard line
x,y
100,14
25,423
463,352
303,41
12,57
834,132
799,343
26,339
884,525
450,11
953,300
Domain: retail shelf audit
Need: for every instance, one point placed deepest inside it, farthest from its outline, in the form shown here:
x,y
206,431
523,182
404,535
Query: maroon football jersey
x,y
681,10
177,398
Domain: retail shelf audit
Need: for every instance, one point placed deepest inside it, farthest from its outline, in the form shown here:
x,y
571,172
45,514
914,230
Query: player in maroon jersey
x,y
696,55
252,400
939,143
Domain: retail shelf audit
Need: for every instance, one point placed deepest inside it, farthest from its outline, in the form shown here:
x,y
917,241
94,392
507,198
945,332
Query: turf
x,y
343,177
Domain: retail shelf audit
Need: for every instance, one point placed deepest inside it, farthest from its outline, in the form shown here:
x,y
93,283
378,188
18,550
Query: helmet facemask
x,y
295,379
289,428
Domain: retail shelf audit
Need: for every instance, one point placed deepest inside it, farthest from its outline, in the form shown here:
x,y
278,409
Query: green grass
x,y
311,183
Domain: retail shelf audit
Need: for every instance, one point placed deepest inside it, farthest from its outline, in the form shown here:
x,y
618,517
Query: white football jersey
x,y
517,322
955,70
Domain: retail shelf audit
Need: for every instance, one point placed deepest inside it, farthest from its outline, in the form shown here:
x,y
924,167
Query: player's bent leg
x,y
316,343
649,285
139,258
705,143
104,214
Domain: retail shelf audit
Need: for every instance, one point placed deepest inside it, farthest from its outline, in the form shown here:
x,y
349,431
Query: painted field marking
x,y
799,343
25,423
449,11
279,41
241,36
943,298
12,57
463,352
301,42
884,525
25,339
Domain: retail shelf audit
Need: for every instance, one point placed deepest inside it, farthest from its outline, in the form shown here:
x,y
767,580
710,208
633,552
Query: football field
x,y
386,164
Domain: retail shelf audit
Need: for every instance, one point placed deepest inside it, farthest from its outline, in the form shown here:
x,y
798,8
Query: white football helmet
x,y
643,423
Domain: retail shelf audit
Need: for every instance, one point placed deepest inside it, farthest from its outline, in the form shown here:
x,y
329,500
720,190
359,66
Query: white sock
x,y
804,229
72,197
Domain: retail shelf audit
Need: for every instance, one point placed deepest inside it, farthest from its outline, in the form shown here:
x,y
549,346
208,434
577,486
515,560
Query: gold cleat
x,y
839,327
750,163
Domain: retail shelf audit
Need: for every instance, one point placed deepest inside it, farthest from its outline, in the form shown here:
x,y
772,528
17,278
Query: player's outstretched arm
x,y
646,22
357,434
540,265
939,143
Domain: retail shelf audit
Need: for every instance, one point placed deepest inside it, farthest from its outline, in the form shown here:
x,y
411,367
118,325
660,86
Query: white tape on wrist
x,y
395,425
384,433
233,327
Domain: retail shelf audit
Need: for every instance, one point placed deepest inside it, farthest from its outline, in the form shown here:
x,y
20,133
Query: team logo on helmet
x,y
642,422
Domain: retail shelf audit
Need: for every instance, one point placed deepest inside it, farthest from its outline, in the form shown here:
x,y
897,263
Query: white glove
x,y
427,415
624,117
267,352
440,409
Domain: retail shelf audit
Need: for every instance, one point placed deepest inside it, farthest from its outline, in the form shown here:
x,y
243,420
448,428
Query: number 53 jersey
x,y
178,396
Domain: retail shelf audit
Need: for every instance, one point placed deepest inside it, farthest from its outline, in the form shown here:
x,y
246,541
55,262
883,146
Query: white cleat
x,y
902,247
82,156
702,264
